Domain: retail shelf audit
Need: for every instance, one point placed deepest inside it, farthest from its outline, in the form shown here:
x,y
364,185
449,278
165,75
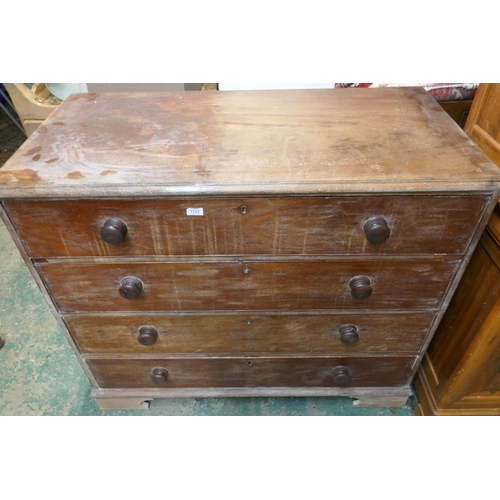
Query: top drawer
x,y
248,226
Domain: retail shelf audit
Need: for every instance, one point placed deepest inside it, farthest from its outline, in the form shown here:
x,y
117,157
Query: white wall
x,y
274,86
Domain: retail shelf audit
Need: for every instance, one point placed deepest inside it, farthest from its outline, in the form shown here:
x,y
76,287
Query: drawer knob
x,y
114,231
348,334
147,335
360,287
159,376
130,288
376,230
341,375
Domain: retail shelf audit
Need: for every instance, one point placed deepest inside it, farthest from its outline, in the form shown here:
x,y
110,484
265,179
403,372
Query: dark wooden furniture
x,y
249,243
458,110
460,374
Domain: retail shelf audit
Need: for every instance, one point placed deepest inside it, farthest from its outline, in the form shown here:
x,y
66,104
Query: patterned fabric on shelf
x,y
440,91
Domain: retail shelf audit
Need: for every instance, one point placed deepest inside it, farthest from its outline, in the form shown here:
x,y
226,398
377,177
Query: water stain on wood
x,y
108,172
52,160
32,151
36,157
20,175
202,170
75,175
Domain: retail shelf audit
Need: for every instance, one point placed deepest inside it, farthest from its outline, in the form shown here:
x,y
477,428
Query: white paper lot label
x,y
194,211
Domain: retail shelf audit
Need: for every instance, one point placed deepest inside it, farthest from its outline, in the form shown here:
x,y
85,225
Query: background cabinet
x,y
460,373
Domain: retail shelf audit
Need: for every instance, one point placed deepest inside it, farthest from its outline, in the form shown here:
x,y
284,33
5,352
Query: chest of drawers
x,y
264,243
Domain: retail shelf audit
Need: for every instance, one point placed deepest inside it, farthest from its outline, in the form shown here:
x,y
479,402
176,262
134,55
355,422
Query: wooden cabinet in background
x,y
460,373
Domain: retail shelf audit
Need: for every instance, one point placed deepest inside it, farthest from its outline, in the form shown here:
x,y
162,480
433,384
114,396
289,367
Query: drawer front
x,y
251,372
249,334
252,285
253,226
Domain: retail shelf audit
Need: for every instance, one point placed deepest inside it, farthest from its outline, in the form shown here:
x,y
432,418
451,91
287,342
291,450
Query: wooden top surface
x,y
256,142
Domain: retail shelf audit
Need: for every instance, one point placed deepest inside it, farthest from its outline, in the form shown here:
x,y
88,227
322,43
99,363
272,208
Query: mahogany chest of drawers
x,y
263,243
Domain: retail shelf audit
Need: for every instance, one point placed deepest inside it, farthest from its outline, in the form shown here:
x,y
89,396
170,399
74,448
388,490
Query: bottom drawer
x,y
252,372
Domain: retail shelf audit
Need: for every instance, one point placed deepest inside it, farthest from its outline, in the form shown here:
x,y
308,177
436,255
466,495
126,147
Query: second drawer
x,y
252,335
209,286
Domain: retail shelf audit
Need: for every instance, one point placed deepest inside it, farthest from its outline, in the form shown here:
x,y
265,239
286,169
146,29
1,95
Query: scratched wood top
x,y
256,142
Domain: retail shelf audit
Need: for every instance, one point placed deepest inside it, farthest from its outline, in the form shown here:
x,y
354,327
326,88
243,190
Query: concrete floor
x,y
40,375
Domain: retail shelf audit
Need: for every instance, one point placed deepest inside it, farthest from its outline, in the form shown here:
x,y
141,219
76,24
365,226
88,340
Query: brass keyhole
x,y
243,209
246,269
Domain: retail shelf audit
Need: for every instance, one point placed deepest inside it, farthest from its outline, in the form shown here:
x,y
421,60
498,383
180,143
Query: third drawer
x,y
250,334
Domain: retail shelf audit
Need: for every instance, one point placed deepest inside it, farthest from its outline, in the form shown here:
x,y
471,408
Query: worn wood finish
x,y
251,372
335,228
276,226
253,334
258,142
248,285
139,399
106,404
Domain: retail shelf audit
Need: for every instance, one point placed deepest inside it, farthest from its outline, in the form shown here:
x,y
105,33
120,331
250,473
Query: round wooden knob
x,y
360,287
114,231
348,334
341,375
376,230
147,335
159,376
130,288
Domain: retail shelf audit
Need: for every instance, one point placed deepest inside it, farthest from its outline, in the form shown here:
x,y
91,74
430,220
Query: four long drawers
x,y
254,292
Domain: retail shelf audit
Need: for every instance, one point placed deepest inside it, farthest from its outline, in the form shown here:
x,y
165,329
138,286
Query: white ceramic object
x,y
63,90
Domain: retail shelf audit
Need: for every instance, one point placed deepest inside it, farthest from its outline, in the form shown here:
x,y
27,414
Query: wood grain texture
x,y
493,227
251,372
249,298
478,293
250,334
483,123
247,285
275,226
476,404
458,110
366,396
460,374
465,352
256,142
